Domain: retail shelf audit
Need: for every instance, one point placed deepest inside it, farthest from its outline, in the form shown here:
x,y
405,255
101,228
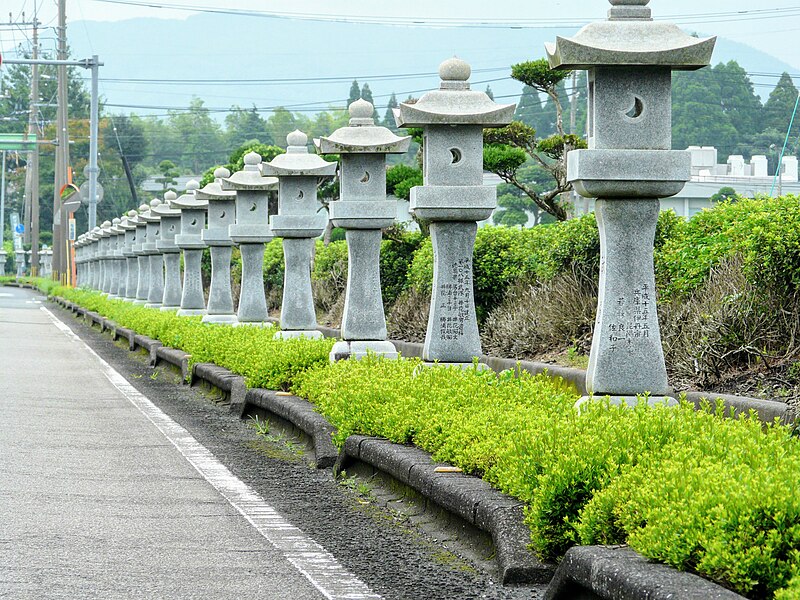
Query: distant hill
x,y
232,47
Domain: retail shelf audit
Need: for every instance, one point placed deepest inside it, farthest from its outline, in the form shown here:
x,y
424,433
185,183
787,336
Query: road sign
x,y
19,229
16,141
72,230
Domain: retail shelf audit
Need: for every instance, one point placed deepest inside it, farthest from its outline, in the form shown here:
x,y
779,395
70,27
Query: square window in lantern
x,y
454,155
632,108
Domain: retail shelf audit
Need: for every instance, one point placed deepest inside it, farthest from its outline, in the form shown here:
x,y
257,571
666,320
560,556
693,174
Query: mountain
x,y
390,58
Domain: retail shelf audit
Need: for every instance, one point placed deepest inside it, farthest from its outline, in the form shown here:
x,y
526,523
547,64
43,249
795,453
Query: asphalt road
x,y
117,483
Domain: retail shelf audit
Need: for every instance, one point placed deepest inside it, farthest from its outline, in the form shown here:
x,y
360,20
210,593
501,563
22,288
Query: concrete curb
x,y
233,385
175,357
768,410
620,573
469,497
149,344
303,415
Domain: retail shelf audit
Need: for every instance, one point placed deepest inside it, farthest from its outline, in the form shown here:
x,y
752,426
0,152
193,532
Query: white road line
x,y
307,556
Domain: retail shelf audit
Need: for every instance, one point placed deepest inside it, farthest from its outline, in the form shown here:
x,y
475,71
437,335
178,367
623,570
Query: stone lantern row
x,y
628,166
23,258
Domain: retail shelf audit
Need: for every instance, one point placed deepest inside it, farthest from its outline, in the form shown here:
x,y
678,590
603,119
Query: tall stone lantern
x,y
299,221
94,258
190,240
142,259
628,167
155,264
251,231
131,265
221,215
363,210
170,227
453,198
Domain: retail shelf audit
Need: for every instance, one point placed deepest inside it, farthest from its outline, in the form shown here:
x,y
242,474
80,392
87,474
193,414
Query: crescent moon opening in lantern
x,y
635,111
222,215
301,195
253,208
455,154
194,222
365,178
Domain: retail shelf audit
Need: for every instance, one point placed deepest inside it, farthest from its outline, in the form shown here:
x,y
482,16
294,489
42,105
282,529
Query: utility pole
x,y
31,211
60,259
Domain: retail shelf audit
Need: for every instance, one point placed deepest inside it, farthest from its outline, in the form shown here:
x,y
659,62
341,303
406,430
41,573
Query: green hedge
x,y
248,351
693,489
765,232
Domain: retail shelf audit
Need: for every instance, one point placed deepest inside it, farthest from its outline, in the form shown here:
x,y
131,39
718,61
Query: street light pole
x,y
93,140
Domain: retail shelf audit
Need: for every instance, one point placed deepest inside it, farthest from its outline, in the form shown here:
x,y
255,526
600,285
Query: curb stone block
x,y
620,573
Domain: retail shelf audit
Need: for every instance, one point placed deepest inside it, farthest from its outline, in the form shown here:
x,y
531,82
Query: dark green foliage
x,y
779,107
397,253
401,178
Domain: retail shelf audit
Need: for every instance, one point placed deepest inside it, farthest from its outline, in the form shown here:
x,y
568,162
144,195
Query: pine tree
x,y
529,108
388,118
366,94
489,92
780,106
355,92
739,100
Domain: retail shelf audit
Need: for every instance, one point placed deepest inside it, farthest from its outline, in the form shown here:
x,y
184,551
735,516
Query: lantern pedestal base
x,y
461,365
631,401
312,334
220,319
358,350
191,312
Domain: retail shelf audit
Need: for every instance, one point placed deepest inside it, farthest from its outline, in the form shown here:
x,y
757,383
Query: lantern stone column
x,y
131,265
170,227
155,264
453,198
628,167
105,257
94,258
3,256
190,240
363,210
142,259
251,231
115,255
299,221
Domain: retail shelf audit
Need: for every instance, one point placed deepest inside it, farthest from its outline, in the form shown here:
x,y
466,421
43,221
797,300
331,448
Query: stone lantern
x,y
221,216
105,257
170,227
363,210
115,255
628,167
142,259
131,265
19,256
190,240
251,231
155,264
299,221
3,256
453,198
80,259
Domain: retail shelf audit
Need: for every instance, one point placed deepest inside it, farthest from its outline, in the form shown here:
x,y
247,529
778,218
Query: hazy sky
x,y
756,24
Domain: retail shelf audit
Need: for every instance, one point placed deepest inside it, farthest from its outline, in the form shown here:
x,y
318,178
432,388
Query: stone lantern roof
x,y
166,209
630,38
105,229
150,216
130,220
188,200
298,162
213,191
454,103
250,177
95,234
362,136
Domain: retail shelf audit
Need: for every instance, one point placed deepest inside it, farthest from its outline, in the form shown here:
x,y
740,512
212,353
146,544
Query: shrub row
x,y
695,490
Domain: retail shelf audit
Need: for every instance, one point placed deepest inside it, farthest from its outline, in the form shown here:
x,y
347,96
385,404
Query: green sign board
x,y
16,141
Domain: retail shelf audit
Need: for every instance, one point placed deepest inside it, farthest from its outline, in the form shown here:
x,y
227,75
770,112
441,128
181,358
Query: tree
x,y
280,124
366,94
169,172
489,92
388,117
242,125
506,150
724,194
200,136
698,117
780,106
355,92
738,98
